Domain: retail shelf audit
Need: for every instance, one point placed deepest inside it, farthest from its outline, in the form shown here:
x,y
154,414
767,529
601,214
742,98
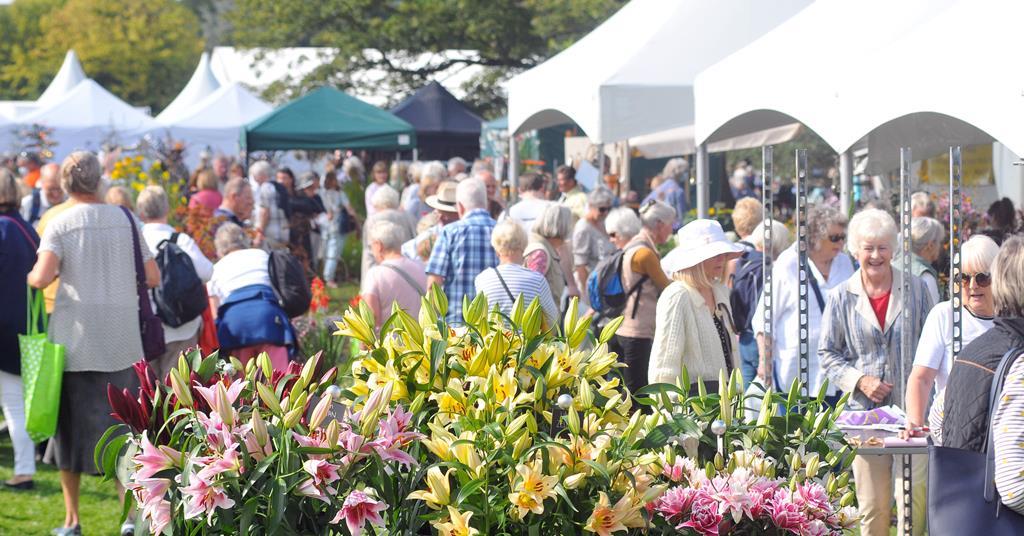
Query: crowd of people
x,y
697,304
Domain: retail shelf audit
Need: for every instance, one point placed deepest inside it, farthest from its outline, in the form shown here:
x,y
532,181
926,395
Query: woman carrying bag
x,y
18,243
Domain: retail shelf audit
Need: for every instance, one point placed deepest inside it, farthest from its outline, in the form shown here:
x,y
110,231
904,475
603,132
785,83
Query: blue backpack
x,y
605,290
747,283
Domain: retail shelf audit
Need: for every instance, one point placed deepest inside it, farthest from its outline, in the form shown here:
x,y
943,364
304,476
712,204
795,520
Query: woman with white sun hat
x,y
693,326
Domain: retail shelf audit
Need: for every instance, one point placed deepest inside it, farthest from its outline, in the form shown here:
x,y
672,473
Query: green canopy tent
x,y
327,119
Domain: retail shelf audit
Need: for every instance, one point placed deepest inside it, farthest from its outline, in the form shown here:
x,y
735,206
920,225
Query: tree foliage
x,y
141,50
501,36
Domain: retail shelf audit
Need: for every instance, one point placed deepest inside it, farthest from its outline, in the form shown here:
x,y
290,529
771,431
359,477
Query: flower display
x,y
220,447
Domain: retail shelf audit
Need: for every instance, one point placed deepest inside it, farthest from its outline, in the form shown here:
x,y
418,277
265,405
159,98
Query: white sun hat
x,y
697,242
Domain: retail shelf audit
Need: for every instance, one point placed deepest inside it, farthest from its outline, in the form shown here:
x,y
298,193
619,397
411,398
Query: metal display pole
x,y
906,340
703,197
803,271
767,199
513,168
955,230
846,182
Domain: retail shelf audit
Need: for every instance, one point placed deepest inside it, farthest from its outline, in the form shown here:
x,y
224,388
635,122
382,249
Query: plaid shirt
x,y
852,344
461,252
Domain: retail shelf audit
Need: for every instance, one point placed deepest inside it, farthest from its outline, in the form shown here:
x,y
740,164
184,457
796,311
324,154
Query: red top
x,y
879,305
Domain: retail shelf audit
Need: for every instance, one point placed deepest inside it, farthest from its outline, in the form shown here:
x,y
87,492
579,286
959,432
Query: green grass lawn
x,y
38,511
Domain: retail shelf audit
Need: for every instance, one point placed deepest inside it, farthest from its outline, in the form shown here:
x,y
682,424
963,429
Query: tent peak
x,y
68,76
202,84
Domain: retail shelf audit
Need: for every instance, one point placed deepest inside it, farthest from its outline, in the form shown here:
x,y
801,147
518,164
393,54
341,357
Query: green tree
x,y
141,50
503,37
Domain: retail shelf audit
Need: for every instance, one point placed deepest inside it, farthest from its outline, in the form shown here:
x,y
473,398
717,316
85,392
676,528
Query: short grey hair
x,y
261,168
471,194
921,200
924,231
9,194
236,186
623,222
230,237
1008,278
152,203
384,198
676,169
871,223
554,222
508,237
656,211
415,171
390,236
600,197
434,169
354,165
80,173
819,220
457,161
978,253
781,239
481,165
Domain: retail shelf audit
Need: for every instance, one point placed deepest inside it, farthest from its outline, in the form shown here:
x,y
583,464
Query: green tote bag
x,y
42,368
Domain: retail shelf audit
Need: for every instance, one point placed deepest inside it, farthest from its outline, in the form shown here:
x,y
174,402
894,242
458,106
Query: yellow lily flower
x,y
457,524
438,492
605,520
525,502
439,442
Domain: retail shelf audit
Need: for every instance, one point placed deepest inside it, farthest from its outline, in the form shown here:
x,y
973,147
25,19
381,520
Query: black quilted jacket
x,y
964,425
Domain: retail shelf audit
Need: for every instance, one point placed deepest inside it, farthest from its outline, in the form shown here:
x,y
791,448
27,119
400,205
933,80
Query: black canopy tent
x,y
445,127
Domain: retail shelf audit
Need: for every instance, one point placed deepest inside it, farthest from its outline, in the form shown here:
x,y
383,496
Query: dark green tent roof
x,y
328,119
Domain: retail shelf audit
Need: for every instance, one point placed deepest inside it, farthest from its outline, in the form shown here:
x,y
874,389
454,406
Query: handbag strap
x,y
502,280
989,448
28,236
139,269
34,310
408,279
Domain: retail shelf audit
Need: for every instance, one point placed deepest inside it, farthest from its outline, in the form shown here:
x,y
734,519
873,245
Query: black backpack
x,y
747,282
283,199
605,288
181,296
290,283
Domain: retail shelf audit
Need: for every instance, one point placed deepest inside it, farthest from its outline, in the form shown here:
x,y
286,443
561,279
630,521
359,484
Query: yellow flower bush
x,y
131,171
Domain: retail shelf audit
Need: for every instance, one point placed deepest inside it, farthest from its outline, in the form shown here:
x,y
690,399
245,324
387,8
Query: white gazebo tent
x,y
68,77
215,122
88,116
901,93
633,75
681,141
201,85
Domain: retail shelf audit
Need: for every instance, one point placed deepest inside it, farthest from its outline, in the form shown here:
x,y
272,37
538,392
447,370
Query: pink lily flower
x,y
152,460
210,393
358,509
203,498
159,515
215,465
322,471
148,491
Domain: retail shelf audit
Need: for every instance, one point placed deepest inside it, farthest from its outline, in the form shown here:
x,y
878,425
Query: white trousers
x,y
876,477
13,402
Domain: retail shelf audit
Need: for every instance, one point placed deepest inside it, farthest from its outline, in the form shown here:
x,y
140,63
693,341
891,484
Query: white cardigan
x,y
685,335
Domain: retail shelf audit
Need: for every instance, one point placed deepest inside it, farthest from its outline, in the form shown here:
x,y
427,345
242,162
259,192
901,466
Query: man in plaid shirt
x,y
463,249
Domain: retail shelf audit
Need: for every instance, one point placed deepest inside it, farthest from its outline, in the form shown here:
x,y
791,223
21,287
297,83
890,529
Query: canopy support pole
x,y
415,154
846,182
803,270
955,230
767,184
703,195
513,168
624,176
905,336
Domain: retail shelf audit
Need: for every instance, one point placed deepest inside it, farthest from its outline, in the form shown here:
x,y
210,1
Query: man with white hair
x,y
456,165
463,249
271,207
46,194
494,204
921,205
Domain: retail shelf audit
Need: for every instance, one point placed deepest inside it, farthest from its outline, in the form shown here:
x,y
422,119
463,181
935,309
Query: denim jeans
x,y
748,357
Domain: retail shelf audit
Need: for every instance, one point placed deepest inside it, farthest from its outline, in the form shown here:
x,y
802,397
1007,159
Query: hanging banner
x,y
977,167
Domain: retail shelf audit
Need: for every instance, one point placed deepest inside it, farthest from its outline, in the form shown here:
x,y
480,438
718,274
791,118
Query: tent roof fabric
x,y
433,110
328,119
231,106
69,76
633,74
201,85
88,105
903,94
680,141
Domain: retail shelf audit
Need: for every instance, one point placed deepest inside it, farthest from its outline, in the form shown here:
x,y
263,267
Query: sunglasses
x,y
983,279
603,210
837,238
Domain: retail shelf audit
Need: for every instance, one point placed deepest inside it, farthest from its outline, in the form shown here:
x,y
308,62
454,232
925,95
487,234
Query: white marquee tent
x,y
215,122
681,141
201,85
86,117
68,77
633,75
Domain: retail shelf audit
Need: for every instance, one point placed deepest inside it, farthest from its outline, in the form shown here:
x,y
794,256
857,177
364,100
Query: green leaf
x,y
258,472
661,434
248,515
97,451
110,455
278,495
469,489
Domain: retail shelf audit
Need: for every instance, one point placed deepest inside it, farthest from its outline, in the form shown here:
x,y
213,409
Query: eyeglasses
x,y
837,238
983,279
602,210
646,206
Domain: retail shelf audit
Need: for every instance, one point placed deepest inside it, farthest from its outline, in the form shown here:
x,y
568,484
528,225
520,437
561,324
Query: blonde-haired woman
x,y
693,326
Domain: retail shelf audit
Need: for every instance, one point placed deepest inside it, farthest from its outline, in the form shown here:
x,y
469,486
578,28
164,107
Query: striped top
x,y
520,281
852,344
1008,434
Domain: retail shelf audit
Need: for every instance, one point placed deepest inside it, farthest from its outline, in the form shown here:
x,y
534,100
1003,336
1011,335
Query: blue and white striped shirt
x,y
520,280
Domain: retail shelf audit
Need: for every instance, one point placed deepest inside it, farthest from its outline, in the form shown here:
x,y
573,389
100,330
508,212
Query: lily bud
x,y
573,421
181,389
847,499
521,445
263,360
223,406
574,481
259,429
812,464
292,418
586,395
332,433
269,398
320,412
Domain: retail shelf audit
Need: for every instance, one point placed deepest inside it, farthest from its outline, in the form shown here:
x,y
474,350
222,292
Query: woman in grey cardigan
x,y
860,352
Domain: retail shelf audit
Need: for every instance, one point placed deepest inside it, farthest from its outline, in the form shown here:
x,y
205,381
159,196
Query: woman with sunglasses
x,y
590,241
934,357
